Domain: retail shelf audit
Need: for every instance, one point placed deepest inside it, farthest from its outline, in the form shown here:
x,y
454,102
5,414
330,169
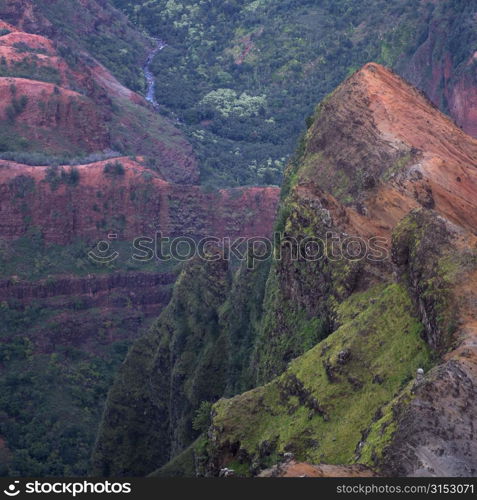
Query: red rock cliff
x,y
136,202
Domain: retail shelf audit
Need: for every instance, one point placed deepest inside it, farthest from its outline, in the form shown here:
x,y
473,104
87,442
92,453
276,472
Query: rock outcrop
x,y
292,468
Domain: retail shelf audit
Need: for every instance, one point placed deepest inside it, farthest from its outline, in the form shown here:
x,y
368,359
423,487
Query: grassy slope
x,y
319,419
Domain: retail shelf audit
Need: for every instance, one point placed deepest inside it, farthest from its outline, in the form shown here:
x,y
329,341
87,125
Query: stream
x,y
151,81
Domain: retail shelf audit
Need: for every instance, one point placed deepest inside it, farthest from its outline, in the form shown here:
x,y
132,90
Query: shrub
x,y
23,47
72,177
56,176
22,185
16,107
114,168
202,419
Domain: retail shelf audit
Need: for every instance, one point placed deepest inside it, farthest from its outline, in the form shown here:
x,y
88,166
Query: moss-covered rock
x,y
323,402
429,264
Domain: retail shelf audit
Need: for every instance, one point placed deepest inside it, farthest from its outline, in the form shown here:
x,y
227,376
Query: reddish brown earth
x,y
97,290
32,41
445,175
301,469
381,160
88,110
416,156
137,203
81,306
43,52
53,116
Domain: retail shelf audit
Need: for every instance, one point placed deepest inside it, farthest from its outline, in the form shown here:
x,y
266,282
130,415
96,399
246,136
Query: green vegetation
x,y
22,185
136,130
319,407
31,68
58,175
422,248
240,320
52,391
103,33
301,294
37,158
23,47
202,419
337,362
251,71
11,141
198,351
184,464
380,433
29,258
227,103
17,106
114,168
182,359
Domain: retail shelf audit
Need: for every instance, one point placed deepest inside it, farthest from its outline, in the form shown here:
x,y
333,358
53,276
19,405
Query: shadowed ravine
x,y
151,82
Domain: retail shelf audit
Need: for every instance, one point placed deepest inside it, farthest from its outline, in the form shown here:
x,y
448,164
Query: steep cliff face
x,y
62,340
380,167
197,351
50,219
183,358
378,160
443,64
149,291
90,201
382,178
432,433
376,150
67,320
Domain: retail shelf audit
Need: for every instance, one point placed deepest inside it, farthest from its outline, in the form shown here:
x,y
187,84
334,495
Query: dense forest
x,y
250,72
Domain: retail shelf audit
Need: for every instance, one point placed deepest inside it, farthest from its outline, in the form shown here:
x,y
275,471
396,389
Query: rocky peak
x,y
382,148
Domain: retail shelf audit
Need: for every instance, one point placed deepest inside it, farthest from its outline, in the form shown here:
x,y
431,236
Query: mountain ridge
x,y
353,358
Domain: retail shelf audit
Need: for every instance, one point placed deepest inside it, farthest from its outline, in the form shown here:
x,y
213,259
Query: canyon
x,y
349,361
57,304
279,367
